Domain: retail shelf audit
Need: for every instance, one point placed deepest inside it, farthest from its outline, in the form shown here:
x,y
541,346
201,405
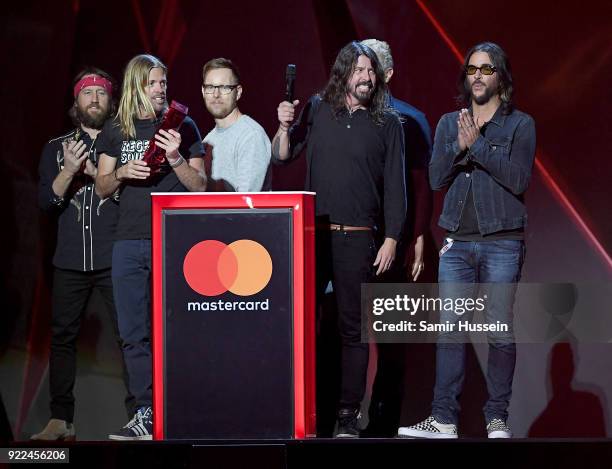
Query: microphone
x,y
289,81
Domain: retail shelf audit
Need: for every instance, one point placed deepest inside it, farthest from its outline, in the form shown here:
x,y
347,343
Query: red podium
x,y
233,315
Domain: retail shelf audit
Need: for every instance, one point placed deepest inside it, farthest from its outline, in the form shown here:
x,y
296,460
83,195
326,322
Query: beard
x,y
93,120
363,97
220,111
484,98
159,107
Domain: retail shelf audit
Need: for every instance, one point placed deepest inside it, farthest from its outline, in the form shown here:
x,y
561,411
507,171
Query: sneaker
x,y
429,428
348,423
497,428
56,430
139,428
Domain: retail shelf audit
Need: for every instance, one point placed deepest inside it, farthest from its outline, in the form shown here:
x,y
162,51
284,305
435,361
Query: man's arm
x,y
420,198
394,195
447,156
191,173
280,142
394,181
109,178
291,138
422,205
513,172
48,172
107,181
74,156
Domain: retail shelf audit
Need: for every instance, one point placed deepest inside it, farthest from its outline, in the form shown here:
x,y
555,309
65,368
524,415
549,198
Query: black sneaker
x,y
139,428
348,423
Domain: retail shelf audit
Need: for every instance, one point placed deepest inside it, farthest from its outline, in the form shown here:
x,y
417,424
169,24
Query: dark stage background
x,y
562,62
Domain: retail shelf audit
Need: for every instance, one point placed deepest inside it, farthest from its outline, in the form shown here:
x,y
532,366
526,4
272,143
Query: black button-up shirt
x,y
86,223
355,166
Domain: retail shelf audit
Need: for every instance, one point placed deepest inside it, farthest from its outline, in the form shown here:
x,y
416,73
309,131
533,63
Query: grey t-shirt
x,y
240,155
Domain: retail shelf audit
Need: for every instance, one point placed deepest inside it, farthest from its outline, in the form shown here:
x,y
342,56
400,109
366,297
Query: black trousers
x,y
71,291
346,258
394,367
388,386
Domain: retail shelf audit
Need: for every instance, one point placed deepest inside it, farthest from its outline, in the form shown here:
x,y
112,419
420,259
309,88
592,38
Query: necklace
x,y
350,113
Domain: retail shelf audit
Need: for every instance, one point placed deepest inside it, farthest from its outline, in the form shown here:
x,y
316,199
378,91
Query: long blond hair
x,y
134,100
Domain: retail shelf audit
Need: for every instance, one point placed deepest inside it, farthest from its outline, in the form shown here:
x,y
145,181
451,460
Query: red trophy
x,y
155,157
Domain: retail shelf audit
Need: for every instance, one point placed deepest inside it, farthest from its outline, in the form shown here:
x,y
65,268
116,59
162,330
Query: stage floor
x,y
324,453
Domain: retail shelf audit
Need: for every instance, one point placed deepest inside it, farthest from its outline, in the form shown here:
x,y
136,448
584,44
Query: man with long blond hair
x,y
122,145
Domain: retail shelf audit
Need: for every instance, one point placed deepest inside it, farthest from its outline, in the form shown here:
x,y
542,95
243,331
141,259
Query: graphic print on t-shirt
x,y
133,150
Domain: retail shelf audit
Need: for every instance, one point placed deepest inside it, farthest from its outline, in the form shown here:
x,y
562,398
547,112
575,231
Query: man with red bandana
x,y
86,228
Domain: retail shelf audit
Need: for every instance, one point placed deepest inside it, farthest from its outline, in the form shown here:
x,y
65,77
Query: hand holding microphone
x,y
286,109
286,114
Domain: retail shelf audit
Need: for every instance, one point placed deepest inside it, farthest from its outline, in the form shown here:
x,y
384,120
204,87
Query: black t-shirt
x,y
468,226
355,166
135,200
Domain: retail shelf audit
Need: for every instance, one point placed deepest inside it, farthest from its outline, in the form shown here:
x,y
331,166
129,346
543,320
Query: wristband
x,y
179,161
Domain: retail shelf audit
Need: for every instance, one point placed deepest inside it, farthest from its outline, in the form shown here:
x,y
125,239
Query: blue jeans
x,y
132,291
463,264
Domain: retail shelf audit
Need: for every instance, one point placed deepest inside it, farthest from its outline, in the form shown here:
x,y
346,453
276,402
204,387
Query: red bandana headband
x,y
93,80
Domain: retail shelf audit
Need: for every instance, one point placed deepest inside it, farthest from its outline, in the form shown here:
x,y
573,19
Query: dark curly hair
x,y
337,87
501,63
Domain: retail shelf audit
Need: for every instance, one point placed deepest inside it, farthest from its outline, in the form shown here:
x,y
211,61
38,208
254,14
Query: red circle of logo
x,y
212,267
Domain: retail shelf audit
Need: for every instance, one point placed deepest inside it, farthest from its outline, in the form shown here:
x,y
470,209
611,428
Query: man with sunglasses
x,y
238,146
484,155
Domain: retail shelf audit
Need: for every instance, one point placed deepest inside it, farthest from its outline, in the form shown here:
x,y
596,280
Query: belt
x,y
336,227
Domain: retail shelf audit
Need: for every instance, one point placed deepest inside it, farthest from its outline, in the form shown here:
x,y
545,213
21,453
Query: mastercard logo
x,y
212,268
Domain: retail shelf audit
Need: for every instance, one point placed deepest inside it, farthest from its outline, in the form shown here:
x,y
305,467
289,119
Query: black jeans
x,y
71,291
388,386
346,258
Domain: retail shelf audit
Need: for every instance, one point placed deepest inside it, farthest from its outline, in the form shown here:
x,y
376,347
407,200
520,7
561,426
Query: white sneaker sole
x,y
500,434
346,435
129,438
412,433
53,438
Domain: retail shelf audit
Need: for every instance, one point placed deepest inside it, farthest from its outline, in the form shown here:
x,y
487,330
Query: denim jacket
x,y
498,166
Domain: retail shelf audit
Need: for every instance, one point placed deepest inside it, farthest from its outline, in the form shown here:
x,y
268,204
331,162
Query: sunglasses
x,y
486,69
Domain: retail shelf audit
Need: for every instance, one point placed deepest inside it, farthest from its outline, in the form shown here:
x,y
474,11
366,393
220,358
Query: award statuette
x,y
154,156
